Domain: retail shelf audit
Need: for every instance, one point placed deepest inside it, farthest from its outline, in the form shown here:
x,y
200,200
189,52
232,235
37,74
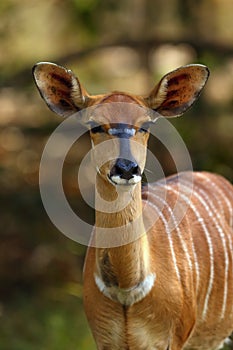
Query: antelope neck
x,y
122,272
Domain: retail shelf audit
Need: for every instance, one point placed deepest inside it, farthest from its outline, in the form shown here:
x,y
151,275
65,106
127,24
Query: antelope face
x,y
119,130
119,122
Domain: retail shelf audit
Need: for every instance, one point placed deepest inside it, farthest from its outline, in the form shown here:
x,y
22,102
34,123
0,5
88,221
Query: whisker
x,y
148,170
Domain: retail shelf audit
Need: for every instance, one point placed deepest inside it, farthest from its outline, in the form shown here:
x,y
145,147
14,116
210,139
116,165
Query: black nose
x,y
125,169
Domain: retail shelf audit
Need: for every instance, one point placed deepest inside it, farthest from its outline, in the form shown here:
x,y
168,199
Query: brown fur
x,y
170,315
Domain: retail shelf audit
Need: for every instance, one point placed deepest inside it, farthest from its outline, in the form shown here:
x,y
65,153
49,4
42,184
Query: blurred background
x,y
110,45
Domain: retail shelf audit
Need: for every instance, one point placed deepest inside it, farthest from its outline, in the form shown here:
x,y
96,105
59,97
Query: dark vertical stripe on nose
x,y
125,151
126,166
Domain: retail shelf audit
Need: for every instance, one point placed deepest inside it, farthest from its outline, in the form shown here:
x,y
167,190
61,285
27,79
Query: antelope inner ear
x,y
178,90
60,89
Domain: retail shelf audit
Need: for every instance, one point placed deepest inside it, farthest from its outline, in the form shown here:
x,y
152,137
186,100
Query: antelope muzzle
x,y
125,172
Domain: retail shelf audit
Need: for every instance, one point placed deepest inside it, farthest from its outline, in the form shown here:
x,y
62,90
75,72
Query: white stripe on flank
x,y
169,238
197,272
216,195
221,193
222,237
184,246
210,247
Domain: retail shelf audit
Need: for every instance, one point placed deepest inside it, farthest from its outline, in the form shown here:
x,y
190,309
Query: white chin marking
x,y
117,180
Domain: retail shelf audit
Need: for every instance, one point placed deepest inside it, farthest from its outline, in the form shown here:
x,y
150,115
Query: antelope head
x,y
121,119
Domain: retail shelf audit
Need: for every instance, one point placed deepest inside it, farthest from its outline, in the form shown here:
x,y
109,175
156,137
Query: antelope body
x,y
171,286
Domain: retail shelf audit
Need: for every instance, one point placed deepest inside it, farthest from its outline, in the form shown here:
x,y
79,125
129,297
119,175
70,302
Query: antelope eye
x,y
96,128
144,127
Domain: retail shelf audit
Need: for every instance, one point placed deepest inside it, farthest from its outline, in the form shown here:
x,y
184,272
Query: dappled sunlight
x,y
220,89
169,57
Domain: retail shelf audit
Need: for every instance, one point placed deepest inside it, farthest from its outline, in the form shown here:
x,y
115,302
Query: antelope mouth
x,y
117,180
125,172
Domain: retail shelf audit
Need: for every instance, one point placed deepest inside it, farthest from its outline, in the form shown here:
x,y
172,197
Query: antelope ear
x,y
60,89
178,90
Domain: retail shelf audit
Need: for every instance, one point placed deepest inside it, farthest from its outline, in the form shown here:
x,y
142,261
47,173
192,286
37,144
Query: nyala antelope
x,y
171,286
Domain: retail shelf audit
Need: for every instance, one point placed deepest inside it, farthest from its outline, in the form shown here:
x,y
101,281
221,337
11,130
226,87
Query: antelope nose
x,y
125,169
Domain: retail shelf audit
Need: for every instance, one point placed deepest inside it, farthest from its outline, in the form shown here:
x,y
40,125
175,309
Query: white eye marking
x,y
117,131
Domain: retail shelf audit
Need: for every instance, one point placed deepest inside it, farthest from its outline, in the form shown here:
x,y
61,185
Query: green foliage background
x,y
126,45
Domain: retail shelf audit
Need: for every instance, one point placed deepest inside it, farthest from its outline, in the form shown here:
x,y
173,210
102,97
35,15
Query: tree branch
x,y
23,77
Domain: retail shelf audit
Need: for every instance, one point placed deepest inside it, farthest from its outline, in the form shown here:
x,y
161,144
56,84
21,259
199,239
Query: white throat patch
x,y
127,296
